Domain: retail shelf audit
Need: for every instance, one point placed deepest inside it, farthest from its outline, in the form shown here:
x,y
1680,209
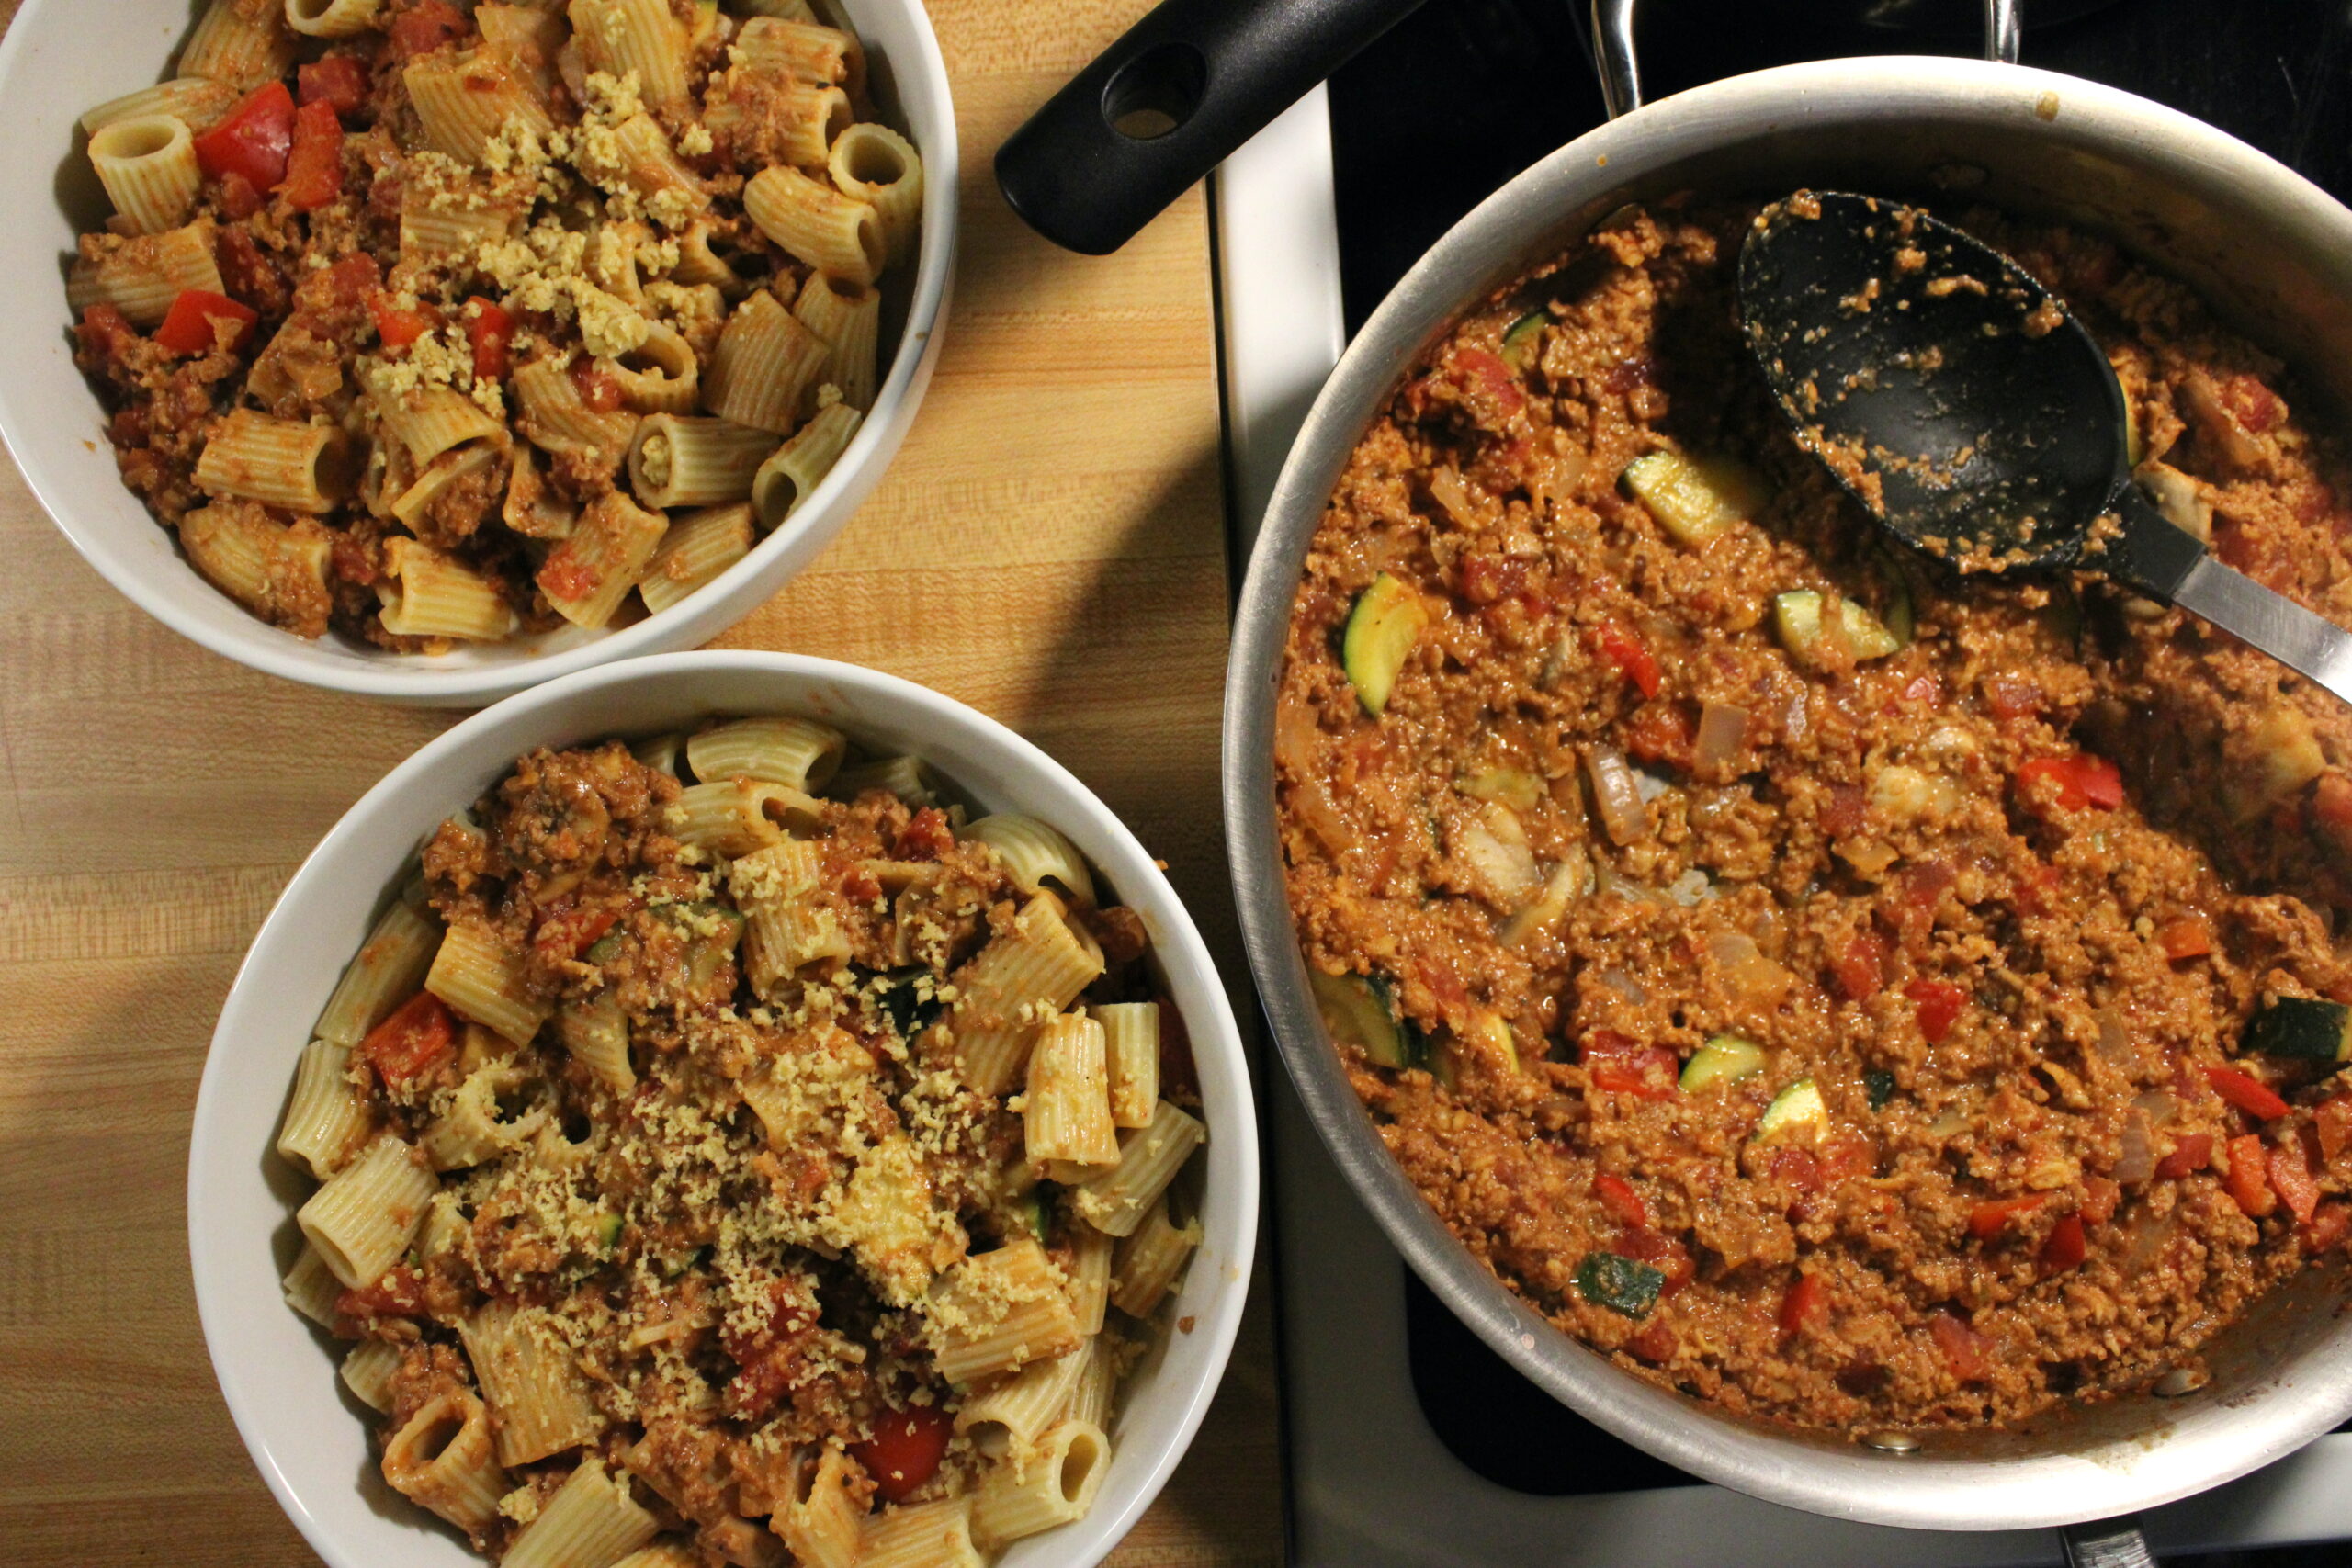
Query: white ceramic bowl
x,y
61,57
277,1370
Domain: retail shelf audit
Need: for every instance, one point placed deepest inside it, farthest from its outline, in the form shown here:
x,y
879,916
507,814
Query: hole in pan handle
x,y
2108,1543
1159,110
1621,70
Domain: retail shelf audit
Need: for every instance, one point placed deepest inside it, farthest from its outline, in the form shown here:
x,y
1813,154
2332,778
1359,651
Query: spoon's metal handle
x,y
2160,560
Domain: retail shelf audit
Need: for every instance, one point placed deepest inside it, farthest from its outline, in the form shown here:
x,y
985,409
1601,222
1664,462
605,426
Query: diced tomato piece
x,y
2333,1122
1662,1252
1843,810
314,167
598,386
1622,651
1989,1219
1966,1351
2035,888
1661,732
1805,1307
187,328
1795,1167
417,1038
2249,1094
2101,1197
1617,1196
398,327
1487,374
2250,1176
1926,882
2071,784
2194,1151
2292,1178
905,1449
426,27
2065,1247
337,79
239,199
1847,1155
1651,1073
1939,1005
2012,697
566,929
2252,404
1859,967
253,139
2327,1226
490,327
1655,1343
926,837
2188,936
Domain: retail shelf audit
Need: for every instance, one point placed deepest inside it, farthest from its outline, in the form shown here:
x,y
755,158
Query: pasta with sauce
x,y
784,1186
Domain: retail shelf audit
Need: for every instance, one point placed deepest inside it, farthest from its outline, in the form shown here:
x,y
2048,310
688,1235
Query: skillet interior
x,y
2273,254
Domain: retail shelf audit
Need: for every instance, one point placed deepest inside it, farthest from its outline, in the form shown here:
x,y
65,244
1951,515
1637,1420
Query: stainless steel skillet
x,y
2268,248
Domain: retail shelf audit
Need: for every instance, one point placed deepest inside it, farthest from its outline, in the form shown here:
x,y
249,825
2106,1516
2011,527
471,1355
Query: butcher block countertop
x,y
1048,546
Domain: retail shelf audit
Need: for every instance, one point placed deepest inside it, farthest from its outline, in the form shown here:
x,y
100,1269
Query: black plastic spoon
x,y
1966,409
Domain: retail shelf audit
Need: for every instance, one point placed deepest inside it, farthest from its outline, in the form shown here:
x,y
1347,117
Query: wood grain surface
x,y
1048,546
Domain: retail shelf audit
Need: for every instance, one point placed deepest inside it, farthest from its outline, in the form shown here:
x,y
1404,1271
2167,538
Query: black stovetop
x,y
1466,93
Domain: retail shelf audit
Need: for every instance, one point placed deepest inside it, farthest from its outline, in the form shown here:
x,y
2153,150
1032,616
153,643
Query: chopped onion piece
x,y
1616,795
2137,1159
1723,729
1626,986
2115,1040
1691,888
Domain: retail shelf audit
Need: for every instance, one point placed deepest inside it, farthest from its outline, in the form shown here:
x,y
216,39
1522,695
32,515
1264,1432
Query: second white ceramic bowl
x,y
277,1372
61,57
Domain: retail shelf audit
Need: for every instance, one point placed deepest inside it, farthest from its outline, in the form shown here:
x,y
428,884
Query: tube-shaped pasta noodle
x,y
1035,855
429,421
621,36
817,224
483,979
848,317
243,42
662,753
910,778
592,571
874,165
427,593
664,1554
534,508
1131,1050
524,39
1054,1484
591,1522
596,1031
438,226
696,549
436,478
766,366
1089,1396
737,817
389,969
785,928
529,1380
808,50
195,101
475,1128
1090,1276
326,1118
278,462
1027,1403
367,1371
360,1221
443,1459
778,750
923,1535
464,98
148,165
660,375
824,1519
638,156
311,1288
997,1312
794,469
789,10
1032,972
690,460
1068,1112
1150,1262
771,117
143,274
332,18
1117,1202
555,417
276,571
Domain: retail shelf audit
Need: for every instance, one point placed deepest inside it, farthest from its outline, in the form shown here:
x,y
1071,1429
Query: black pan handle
x,y
1162,106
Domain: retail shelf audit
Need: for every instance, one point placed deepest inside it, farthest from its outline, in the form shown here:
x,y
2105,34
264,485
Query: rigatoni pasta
x,y
657,1175
606,212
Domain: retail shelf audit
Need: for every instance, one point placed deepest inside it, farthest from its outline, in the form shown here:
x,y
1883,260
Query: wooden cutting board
x,y
1048,546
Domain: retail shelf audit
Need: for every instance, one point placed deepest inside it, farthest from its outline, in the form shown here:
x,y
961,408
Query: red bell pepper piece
x,y
2189,936
1624,652
2193,1152
2250,1176
1617,1196
2071,782
1939,1002
905,1449
426,27
1966,1351
1805,1307
2250,1095
1989,1219
399,328
2065,1246
338,79
1860,968
253,140
417,1038
490,327
187,327
314,167
2292,1178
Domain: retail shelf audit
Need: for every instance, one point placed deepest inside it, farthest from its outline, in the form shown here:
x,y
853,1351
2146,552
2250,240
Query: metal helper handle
x,y
2108,1543
1620,67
